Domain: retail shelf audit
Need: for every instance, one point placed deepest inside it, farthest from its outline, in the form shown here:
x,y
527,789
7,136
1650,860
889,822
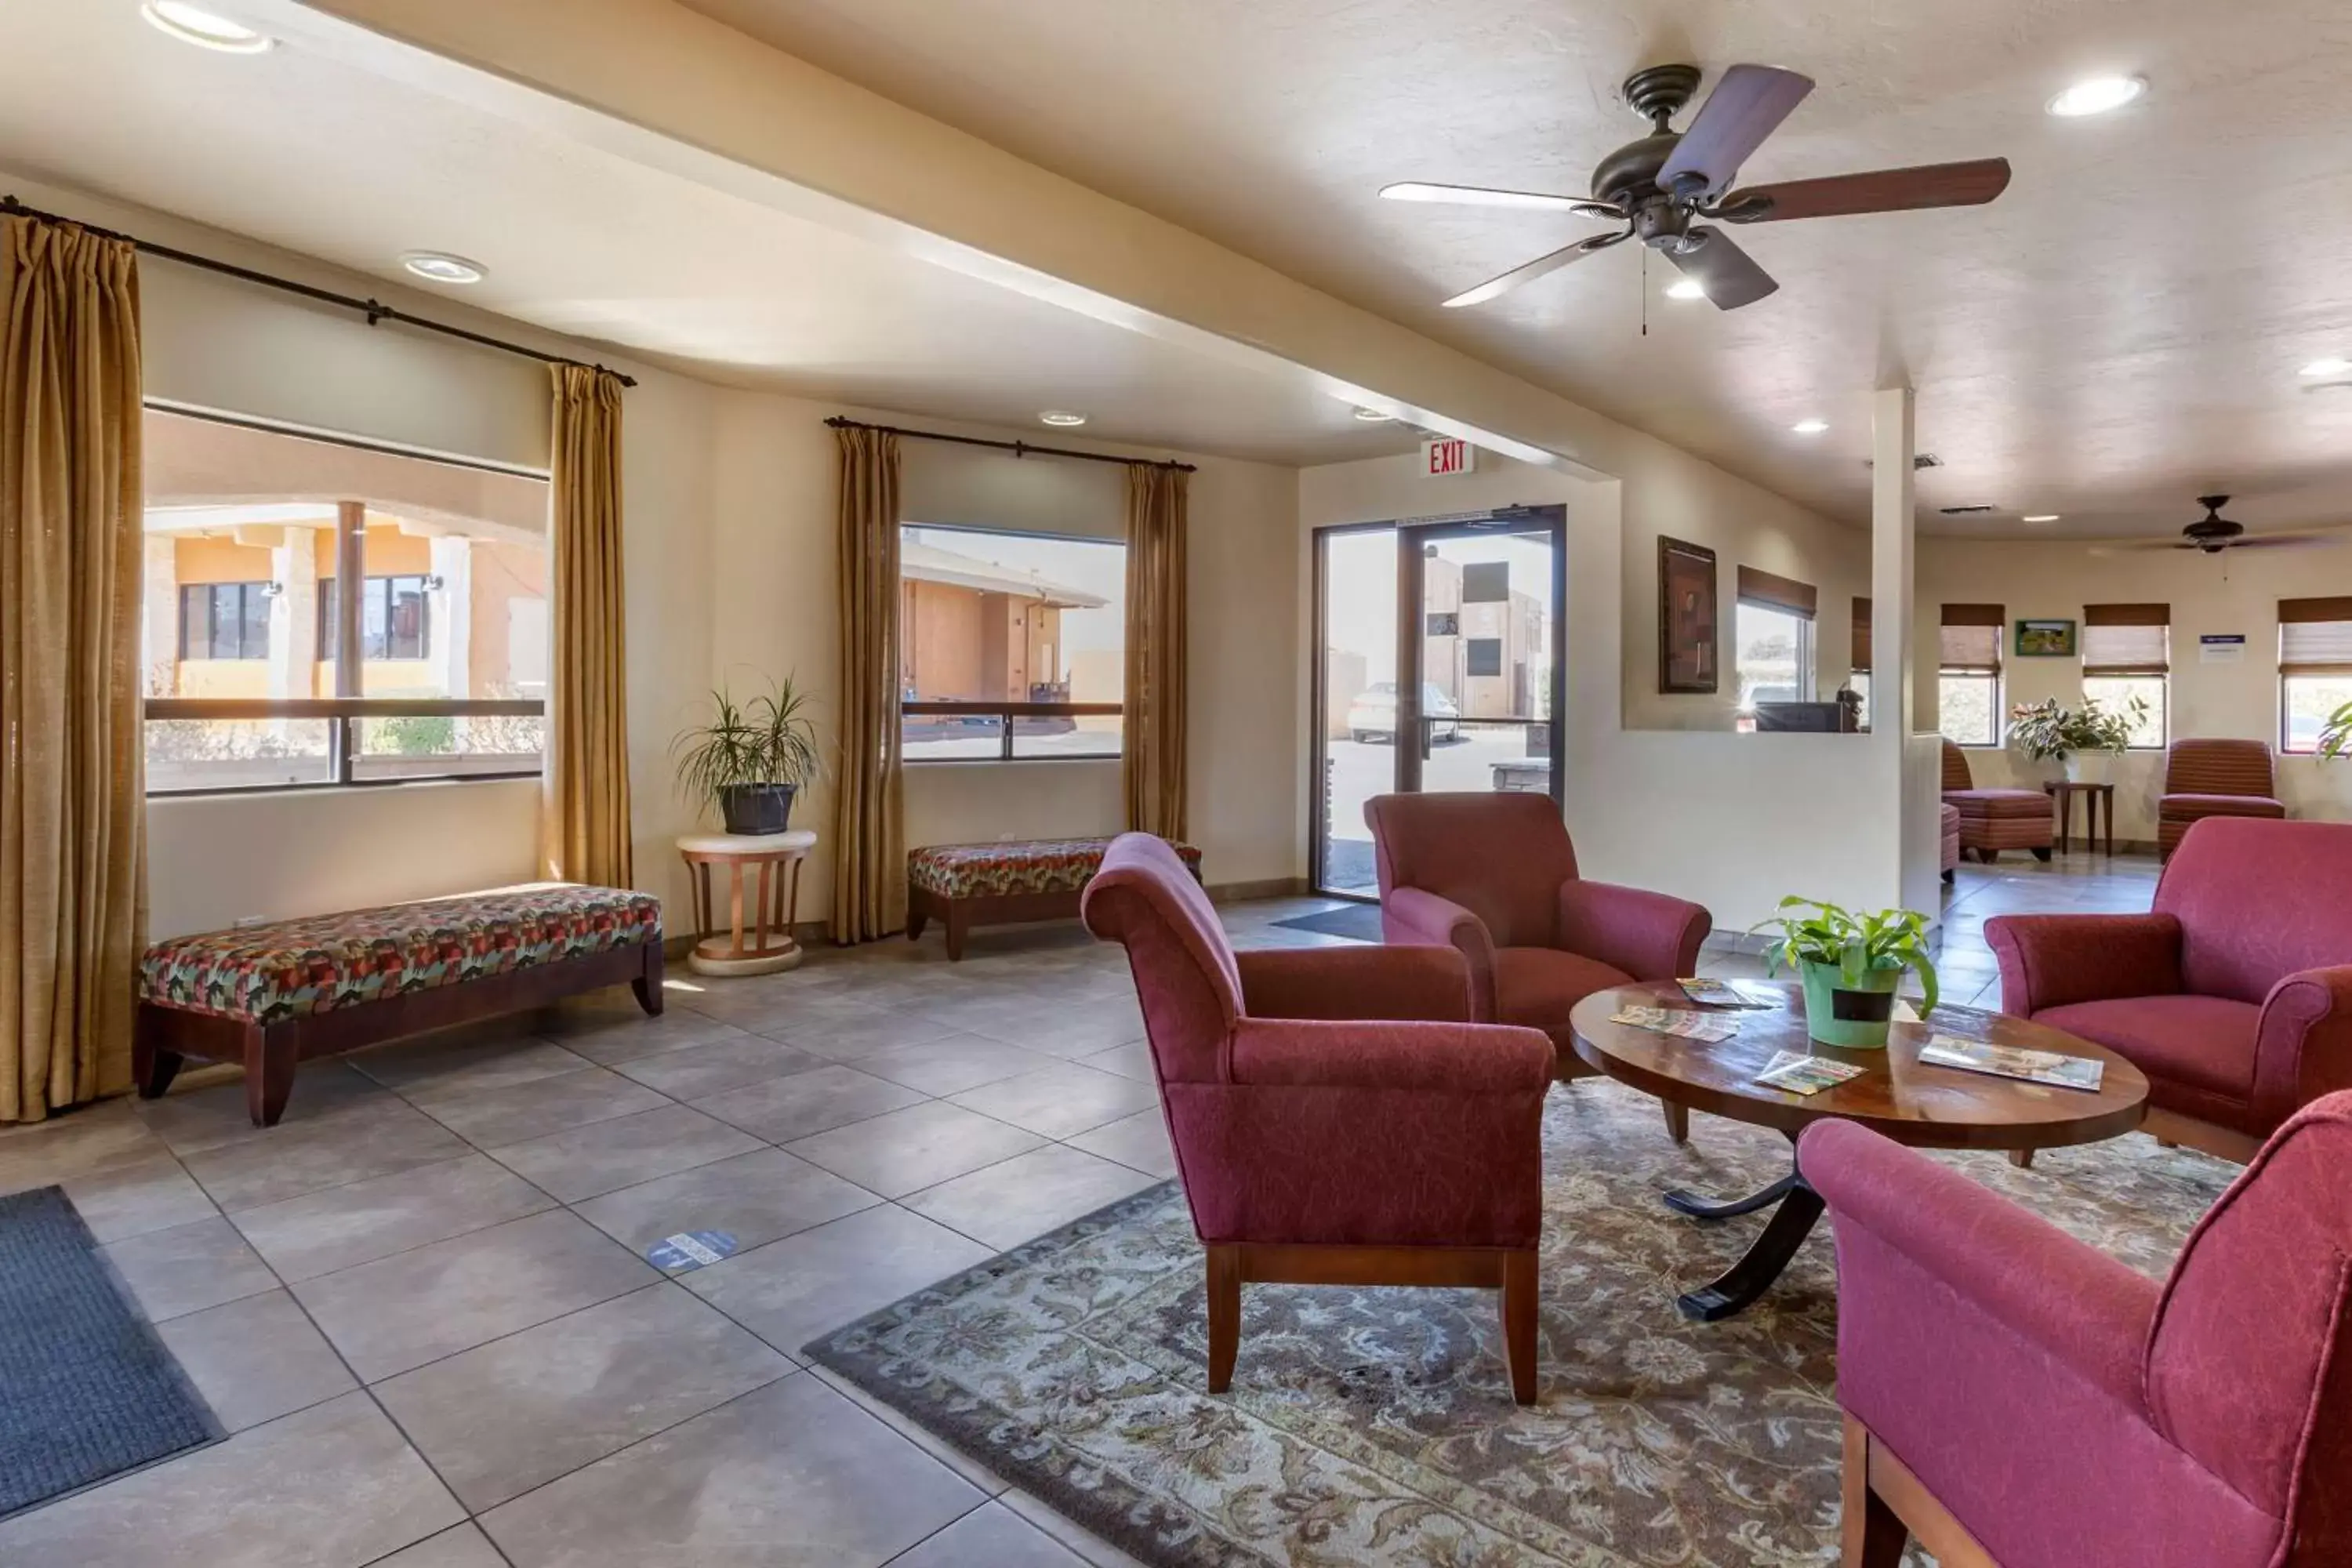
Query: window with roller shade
x,y
1859,659
2314,667
2127,655
1773,654
1968,679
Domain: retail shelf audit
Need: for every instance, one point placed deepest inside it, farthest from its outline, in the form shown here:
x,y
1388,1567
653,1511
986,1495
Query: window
x,y
2127,657
1012,647
1967,684
1858,659
1484,656
2314,667
1485,582
1445,623
249,690
225,620
1773,653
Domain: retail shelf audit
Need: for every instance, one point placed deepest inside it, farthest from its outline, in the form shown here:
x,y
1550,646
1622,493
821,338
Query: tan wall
x,y
2238,593
502,574
946,640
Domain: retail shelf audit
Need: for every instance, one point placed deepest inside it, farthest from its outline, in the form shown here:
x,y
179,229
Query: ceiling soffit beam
x,y
668,88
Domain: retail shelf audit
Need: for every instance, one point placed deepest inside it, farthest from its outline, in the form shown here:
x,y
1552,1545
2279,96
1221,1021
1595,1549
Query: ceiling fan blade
x,y
1747,104
1481,196
1495,287
1880,191
1728,274
2279,542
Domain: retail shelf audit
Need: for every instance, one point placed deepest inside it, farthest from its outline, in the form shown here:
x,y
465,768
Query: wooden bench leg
x,y
152,1067
269,1056
958,922
648,985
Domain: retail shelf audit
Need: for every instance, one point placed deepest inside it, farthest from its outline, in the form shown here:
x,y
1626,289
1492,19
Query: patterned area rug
x,y
1375,1427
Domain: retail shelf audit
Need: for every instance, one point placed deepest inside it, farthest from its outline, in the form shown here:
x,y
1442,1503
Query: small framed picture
x,y
2045,639
1687,660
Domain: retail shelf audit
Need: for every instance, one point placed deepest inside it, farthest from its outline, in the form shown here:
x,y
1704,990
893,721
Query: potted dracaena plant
x,y
752,758
2086,740
1851,965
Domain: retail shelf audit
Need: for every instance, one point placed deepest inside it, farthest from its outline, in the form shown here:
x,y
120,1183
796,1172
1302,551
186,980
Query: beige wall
x,y
2238,591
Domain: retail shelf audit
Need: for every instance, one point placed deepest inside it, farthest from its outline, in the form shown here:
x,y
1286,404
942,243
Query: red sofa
x,y
1993,820
2214,778
1336,1118
2234,994
2014,1397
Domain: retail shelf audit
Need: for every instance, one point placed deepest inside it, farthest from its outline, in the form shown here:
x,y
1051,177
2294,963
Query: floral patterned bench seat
x,y
295,981
1017,879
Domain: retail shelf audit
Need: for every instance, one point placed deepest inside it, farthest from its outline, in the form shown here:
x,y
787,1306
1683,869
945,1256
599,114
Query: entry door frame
x,y
1550,522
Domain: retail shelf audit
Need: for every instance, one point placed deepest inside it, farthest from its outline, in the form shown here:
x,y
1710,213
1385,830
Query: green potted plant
x,y
2336,735
2086,740
752,758
1850,965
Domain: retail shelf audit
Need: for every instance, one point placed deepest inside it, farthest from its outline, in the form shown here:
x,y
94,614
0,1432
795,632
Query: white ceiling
x,y
2118,334
319,157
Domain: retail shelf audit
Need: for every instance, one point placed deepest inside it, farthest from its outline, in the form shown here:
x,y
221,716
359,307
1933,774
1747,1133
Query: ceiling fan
x,y
1662,186
2214,533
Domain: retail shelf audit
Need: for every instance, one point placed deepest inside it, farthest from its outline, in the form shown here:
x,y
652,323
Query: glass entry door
x,y
1439,665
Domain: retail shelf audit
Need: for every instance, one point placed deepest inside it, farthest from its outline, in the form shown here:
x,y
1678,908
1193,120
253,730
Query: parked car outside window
x,y
1373,715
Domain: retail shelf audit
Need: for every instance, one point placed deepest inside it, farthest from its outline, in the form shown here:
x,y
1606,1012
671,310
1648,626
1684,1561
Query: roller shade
x,y
2316,636
1784,594
1860,658
2127,639
1971,638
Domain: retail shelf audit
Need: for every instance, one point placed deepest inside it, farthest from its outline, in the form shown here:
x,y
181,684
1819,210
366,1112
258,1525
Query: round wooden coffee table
x,y
1925,1107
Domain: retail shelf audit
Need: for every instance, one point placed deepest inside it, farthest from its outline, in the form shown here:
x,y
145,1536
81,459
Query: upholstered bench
x,y
965,884
270,996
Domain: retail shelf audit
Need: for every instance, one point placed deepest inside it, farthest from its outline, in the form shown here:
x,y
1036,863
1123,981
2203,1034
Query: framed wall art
x,y
1688,652
2045,639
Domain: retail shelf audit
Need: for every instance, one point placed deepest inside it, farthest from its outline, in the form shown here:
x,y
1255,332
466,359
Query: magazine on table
x,y
1721,994
2012,1061
1801,1074
1708,1028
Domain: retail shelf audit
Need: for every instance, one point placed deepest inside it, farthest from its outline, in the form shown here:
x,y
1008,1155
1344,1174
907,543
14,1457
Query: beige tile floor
x,y
421,1307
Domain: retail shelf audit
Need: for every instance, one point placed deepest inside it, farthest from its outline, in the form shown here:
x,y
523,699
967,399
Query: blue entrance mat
x,y
87,1389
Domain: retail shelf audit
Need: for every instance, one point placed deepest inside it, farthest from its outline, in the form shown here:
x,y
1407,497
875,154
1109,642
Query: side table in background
x,y
758,937
2098,806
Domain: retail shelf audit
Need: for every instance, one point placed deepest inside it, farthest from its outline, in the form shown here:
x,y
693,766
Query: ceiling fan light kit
x,y
1671,189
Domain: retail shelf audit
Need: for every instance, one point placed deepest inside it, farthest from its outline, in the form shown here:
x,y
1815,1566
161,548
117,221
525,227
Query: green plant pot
x,y
1853,1016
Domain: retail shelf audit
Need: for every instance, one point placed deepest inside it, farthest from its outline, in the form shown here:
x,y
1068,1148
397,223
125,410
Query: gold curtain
x,y
73,785
584,830
869,839
1152,771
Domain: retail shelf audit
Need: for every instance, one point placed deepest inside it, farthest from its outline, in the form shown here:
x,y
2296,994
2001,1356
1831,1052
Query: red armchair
x,y
2013,1397
1993,820
2234,994
1493,877
1317,1147
2214,778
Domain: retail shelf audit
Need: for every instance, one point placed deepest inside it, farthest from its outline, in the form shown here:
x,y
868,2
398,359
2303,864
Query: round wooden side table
x,y
758,939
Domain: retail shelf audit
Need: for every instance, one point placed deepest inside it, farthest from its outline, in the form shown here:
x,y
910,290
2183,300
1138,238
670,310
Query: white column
x,y
159,616
1912,764
294,616
451,613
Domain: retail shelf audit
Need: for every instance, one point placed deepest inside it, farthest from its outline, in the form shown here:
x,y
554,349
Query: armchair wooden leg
x,y
1677,1120
1871,1534
1519,1323
1224,1315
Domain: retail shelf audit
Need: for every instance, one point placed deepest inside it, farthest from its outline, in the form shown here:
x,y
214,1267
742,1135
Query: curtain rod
x,y
1018,448
376,310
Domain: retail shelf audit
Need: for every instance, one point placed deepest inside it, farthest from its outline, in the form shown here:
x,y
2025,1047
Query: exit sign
x,y
1440,456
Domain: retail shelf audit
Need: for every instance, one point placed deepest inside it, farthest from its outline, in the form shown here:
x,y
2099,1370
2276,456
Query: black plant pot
x,y
757,808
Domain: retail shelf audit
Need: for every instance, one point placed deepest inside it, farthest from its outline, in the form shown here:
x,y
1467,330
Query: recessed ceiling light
x,y
1686,288
1062,417
442,267
1810,426
2097,96
2041,517
2332,365
1372,415
192,25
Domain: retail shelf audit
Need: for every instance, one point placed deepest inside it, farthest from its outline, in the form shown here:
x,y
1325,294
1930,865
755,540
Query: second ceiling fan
x,y
1667,186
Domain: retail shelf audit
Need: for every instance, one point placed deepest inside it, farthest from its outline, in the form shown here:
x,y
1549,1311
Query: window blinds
x,y
1971,638
2316,636
1784,594
2127,639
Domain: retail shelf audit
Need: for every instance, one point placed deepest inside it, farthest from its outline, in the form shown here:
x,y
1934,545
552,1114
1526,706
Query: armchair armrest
x,y
1650,936
2303,1046
1435,1059
1426,983
2077,1304
2051,961
1414,917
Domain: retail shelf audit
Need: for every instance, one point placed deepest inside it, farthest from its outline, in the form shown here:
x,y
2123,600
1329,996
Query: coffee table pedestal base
x,y
1737,1287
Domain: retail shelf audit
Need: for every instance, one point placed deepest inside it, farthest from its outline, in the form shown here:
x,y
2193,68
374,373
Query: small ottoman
x,y
1950,859
1006,883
